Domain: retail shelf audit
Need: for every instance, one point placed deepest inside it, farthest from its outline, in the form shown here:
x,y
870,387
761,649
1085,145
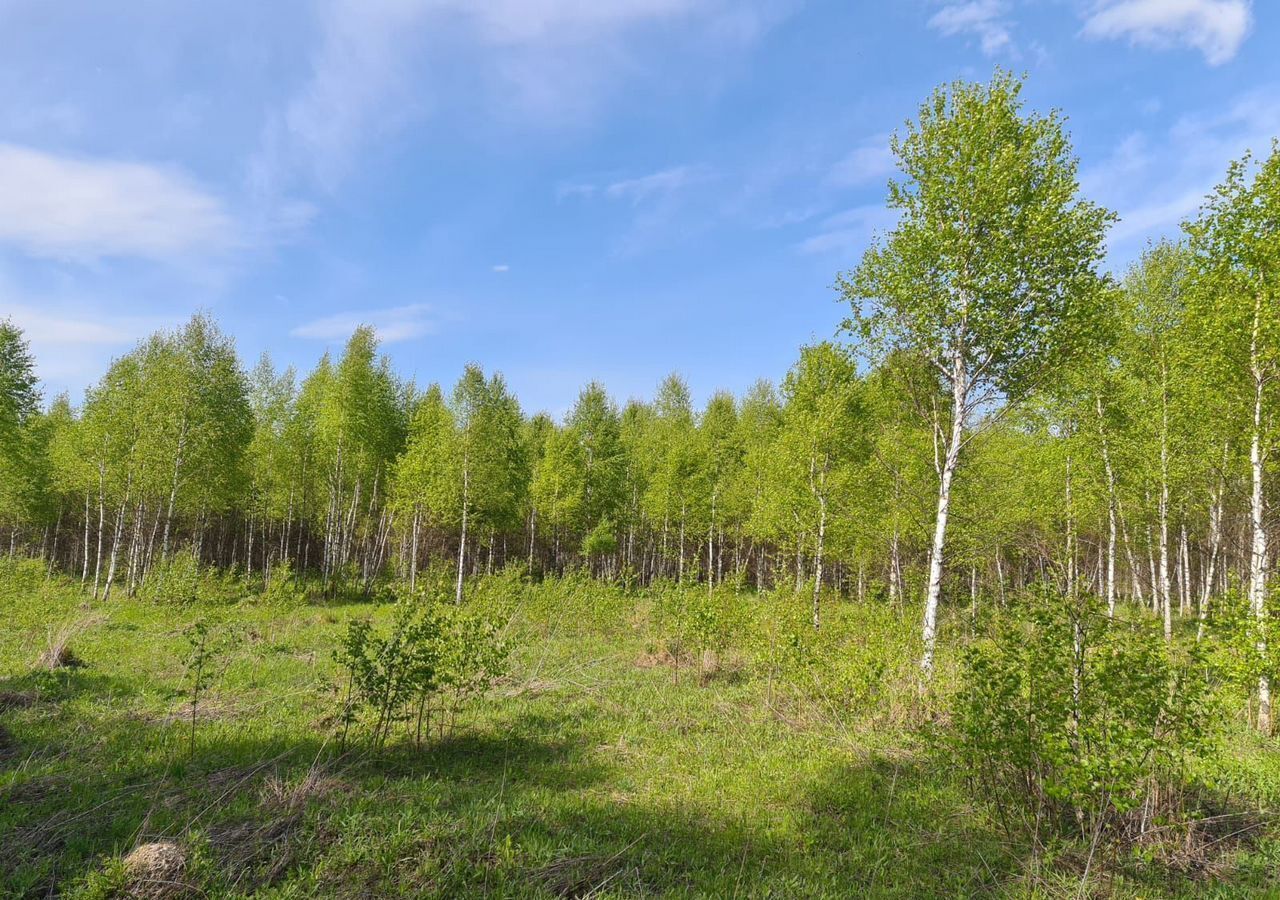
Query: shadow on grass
x,y
531,808
81,782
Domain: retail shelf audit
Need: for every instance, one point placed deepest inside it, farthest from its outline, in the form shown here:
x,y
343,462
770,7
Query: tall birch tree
x,y
990,273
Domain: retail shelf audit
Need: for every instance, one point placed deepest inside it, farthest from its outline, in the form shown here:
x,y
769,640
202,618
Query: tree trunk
x,y
817,563
1166,601
952,457
1110,586
462,540
1258,557
1215,541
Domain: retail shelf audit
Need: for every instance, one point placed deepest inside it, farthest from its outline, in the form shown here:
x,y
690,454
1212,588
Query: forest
x,y
1005,543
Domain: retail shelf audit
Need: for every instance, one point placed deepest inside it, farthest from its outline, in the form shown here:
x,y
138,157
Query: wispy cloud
x,y
84,209
371,70
397,323
1216,28
561,21
653,186
72,340
501,268
869,161
656,184
1157,180
847,233
987,20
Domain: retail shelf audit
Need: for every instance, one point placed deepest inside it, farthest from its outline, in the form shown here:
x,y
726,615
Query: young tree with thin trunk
x,y
1236,314
990,273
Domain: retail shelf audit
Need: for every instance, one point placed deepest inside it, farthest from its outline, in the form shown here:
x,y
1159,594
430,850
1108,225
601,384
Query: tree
x,y
822,441
492,465
19,403
670,448
1236,307
990,273
426,477
557,488
720,455
1152,301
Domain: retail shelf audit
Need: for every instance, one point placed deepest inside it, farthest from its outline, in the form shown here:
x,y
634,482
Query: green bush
x,y
180,579
1232,648
1069,721
422,670
21,576
281,587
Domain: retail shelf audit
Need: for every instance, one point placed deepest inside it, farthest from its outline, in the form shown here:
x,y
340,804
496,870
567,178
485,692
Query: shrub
x,y
1067,720
180,579
21,576
282,587
430,662
1232,649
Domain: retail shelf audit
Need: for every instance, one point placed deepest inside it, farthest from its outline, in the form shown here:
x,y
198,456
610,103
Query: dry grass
x,y
57,653
156,870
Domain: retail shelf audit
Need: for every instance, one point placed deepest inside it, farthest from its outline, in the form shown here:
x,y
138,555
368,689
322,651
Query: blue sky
x,y
560,190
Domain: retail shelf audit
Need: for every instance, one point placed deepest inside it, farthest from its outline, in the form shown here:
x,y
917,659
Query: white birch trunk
x,y
959,410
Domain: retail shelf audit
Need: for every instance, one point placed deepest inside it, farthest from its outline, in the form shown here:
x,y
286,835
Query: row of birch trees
x,y
997,409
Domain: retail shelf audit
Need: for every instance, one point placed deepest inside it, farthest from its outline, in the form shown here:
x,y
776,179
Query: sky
x,y
560,190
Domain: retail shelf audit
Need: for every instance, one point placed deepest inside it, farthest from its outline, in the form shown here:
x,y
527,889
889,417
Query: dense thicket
x,y
1008,413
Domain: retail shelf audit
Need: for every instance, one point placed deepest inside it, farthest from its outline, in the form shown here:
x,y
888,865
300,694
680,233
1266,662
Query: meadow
x,y
656,742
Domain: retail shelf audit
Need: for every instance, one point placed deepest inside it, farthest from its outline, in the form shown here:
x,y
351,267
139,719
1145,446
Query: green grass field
x,y
596,767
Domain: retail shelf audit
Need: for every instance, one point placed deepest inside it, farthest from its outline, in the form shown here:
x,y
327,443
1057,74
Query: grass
x,y
596,768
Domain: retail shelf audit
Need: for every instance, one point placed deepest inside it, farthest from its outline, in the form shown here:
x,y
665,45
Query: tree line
x,y
997,410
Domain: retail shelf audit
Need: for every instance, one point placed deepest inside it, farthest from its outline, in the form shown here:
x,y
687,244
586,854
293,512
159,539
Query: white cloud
x,y
849,232
359,87
371,71
871,161
397,323
560,21
502,267
986,20
84,209
73,341
1216,28
1156,217
43,326
1157,180
658,183
654,186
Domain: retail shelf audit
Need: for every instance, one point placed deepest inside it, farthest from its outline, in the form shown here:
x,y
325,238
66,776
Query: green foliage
x,y
283,586
1236,643
992,262
430,661
180,579
206,644
600,540
1068,720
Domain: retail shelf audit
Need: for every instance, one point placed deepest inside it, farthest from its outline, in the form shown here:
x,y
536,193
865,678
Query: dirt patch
x,y
34,791
212,709
8,746
17,700
656,659
157,870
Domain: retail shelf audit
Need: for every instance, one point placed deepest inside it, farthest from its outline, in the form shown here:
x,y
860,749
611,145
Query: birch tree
x,y
1236,246
990,273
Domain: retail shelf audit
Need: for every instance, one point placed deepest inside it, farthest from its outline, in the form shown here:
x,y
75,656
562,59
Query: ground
x,y
601,765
